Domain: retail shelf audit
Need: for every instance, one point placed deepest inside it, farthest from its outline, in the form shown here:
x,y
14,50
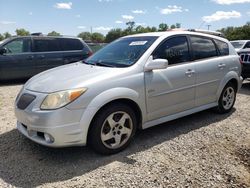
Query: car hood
x,y
70,76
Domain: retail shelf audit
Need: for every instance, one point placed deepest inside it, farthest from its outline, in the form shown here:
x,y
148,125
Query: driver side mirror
x,y
153,64
3,51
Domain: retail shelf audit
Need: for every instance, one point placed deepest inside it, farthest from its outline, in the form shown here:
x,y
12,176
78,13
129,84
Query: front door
x,y
18,62
171,90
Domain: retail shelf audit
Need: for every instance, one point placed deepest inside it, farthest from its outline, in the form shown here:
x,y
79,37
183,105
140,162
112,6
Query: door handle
x,y
190,72
221,65
41,56
30,57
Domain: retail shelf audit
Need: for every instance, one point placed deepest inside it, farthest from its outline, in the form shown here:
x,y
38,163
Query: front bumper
x,y
53,128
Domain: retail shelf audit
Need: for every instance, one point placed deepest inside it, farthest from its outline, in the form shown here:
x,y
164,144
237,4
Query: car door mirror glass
x,y
153,64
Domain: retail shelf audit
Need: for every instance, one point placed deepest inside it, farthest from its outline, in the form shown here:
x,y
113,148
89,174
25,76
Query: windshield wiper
x,y
98,63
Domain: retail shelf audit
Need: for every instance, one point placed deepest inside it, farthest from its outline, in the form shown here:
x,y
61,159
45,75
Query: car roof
x,y
175,32
239,41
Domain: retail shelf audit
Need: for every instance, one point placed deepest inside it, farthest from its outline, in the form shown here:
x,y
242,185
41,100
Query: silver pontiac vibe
x,y
135,82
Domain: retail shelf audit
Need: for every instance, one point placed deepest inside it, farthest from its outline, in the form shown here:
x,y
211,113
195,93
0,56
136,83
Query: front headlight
x,y
59,99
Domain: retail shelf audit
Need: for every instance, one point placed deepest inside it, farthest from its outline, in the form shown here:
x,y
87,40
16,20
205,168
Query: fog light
x,y
48,138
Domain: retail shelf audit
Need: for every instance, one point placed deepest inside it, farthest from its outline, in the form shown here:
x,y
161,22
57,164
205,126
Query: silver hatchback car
x,y
135,82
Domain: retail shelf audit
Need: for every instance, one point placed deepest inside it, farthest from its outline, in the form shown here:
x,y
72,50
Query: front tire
x,y
227,99
112,129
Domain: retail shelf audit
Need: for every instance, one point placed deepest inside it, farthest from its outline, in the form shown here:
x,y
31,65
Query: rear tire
x,y
227,99
112,129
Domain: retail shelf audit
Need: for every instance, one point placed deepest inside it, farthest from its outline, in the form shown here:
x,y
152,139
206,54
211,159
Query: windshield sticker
x,y
138,43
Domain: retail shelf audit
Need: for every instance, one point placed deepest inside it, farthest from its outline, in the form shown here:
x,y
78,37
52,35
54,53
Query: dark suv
x,y
23,57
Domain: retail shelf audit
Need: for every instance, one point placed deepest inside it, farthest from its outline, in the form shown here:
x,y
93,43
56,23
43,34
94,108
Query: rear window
x,y
222,47
71,44
46,45
203,47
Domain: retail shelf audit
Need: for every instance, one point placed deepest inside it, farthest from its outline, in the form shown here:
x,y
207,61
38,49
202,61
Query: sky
x,y
70,17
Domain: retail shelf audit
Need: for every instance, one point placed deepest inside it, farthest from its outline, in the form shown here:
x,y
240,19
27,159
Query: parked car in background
x,y
135,82
243,49
240,44
23,57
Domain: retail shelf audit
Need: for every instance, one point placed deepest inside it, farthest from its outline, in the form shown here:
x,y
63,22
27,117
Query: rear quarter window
x,y
71,44
222,47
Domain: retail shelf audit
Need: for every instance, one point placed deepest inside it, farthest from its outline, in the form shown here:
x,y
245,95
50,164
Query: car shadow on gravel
x,y
13,82
24,163
245,89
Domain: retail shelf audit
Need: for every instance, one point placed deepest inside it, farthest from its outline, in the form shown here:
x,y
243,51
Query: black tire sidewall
x,y
96,126
221,108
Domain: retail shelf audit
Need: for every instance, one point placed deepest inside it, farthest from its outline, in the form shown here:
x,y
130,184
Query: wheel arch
x,y
117,95
230,77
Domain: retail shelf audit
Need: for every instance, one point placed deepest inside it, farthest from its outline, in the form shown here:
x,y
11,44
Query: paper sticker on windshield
x,y
138,43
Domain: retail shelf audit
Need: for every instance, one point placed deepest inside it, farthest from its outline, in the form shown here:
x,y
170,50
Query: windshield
x,y
237,44
123,52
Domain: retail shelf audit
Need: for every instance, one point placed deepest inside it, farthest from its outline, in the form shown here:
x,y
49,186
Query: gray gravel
x,y
201,150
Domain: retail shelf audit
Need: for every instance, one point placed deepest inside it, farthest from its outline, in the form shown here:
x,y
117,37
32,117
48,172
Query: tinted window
x,y
175,50
247,45
18,46
203,47
71,44
46,45
222,46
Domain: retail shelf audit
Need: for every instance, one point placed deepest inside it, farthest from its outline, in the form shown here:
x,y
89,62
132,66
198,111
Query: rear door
x,y
171,90
18,61
47,53
73,50
210,68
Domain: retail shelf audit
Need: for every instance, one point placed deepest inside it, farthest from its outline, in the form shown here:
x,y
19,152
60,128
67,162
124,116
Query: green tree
x,y
97,37
114,34
163,27
1,37
22,32
172,26
6,35
178,25
237,33
53,33
84,35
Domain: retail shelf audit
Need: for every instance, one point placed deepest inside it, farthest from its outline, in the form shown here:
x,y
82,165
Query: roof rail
x,y
216,33
37,34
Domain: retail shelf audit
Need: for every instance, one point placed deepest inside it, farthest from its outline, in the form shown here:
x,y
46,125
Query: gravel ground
x,y
201,150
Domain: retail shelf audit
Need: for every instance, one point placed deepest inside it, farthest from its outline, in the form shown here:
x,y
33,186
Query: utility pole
x,y
208,27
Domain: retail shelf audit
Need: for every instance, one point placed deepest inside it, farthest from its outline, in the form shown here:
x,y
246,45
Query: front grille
x,y
245,57
25,101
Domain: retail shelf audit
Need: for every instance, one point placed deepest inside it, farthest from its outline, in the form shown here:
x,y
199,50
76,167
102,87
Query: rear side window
x,y
46,45
202,47
222,47
175,50
71,44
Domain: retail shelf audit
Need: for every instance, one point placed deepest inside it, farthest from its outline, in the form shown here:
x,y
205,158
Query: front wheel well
x,y
125,101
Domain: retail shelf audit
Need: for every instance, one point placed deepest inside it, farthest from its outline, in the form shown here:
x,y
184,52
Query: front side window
x,y
202,47
175,50
123,52
18,46
222,47
46,45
